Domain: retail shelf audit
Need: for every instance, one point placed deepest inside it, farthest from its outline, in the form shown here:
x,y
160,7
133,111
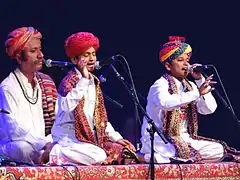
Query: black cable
x,y
224,91
76,171
132,83
148,172
180,169
130,75
123,65
63,166
132,91
6,161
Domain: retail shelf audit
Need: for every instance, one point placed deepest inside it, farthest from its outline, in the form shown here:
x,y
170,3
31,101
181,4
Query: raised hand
x,y
47,149
206,86
196,75
82,66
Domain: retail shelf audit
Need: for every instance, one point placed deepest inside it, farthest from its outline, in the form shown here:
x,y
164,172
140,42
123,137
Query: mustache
x,y
37,61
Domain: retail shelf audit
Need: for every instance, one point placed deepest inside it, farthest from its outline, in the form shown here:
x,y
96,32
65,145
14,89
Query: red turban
x,y
80,42
18,38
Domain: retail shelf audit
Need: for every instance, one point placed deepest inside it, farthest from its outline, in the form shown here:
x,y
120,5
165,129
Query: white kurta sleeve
x,y
112,134
166,101
206,104
72,99
10,125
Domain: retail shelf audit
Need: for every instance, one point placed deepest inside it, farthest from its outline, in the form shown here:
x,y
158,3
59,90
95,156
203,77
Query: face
x,y
30,59
179,66
90,57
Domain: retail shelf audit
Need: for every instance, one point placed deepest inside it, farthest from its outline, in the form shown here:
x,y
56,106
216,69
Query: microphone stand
x,y
103,79
137,117
153,128
227,105
112,101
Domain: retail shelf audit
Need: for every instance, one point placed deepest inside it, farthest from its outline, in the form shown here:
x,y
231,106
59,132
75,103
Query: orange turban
x,y
174,48
80,42
18,38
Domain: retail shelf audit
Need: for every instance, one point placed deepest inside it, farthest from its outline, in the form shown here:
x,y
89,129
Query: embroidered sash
x,y
171,127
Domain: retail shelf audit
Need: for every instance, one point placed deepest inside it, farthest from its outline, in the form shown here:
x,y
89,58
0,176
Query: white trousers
x,y
69,152
20,151
210,151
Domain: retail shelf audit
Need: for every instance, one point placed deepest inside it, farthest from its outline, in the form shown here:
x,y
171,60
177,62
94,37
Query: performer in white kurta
x,y
173,102
165,101
29,97
81,130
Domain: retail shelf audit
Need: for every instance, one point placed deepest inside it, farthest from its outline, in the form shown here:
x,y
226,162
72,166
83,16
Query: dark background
x,y
137,30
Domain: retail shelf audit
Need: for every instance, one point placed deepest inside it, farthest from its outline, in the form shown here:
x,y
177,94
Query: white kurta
x,y
68,147
22,132
159,99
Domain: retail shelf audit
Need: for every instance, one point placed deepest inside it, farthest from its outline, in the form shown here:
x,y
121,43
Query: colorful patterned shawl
x,y
49,98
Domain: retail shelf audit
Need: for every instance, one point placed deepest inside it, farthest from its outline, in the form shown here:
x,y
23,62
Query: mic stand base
x,y
152,168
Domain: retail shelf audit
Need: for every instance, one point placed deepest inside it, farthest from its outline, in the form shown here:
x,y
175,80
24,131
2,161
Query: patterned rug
x,y
213,171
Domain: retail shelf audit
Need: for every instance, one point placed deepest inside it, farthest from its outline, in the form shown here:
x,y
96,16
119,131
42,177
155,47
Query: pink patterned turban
x,y
18,38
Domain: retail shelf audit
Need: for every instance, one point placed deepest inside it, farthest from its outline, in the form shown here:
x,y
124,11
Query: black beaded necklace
x,y
25,93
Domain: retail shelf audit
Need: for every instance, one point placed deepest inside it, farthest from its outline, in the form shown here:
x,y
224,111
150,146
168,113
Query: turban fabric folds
x,y
174,48
18,38
80,42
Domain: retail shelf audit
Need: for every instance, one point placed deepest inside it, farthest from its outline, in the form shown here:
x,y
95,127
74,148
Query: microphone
x,y
100,64
102,78
52,63
199,69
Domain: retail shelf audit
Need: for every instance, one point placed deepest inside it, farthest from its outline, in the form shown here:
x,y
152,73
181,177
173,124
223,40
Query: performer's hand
x,y
205,87
82,66
127,144
45,156
196,75
46,146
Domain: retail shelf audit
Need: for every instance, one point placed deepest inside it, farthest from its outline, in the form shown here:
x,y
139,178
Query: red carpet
x,y
214,171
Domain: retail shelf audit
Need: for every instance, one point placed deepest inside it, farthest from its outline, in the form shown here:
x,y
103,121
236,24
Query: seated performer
x,y
30,97
82,131
173,104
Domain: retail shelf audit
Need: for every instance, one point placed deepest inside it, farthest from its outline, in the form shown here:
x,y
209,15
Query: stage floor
x,y
213,171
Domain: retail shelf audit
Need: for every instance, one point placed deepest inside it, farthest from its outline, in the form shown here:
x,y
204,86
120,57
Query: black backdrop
x,y
136,30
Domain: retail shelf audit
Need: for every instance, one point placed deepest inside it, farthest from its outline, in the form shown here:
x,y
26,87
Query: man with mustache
x,y
30,97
